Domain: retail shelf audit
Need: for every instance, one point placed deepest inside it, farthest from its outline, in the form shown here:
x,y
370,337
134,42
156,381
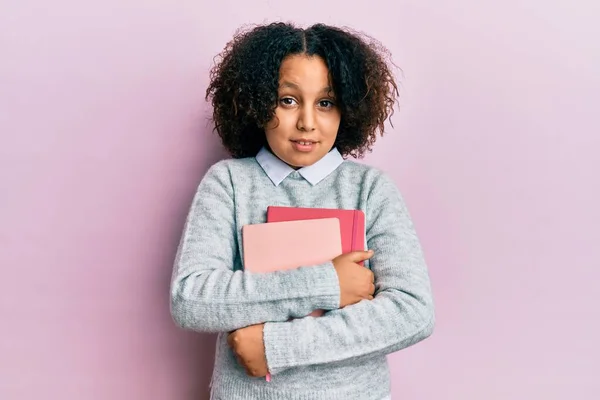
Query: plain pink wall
x,y
104,138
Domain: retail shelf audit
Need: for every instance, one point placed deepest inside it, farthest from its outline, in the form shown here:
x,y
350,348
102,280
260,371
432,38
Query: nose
x,y
306,120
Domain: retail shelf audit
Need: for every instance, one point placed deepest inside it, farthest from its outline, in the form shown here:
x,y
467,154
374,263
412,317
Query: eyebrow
x,y
287,84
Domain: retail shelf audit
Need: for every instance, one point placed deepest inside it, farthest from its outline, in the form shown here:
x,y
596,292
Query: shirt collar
x,y
277,170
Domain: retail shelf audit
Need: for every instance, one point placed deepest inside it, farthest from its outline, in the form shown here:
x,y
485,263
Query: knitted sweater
x,y
340,355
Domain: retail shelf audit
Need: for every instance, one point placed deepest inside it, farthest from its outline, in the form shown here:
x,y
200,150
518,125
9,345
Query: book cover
x,y
269,247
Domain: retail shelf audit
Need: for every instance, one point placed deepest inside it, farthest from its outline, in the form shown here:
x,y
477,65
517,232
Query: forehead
x,y
307,72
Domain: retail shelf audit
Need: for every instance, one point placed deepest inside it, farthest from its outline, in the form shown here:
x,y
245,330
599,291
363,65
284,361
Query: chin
x,y
302,160
296,164
298,159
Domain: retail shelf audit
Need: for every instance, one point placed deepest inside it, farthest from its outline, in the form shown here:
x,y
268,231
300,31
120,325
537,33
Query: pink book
x,y
352,222
285,245
276,246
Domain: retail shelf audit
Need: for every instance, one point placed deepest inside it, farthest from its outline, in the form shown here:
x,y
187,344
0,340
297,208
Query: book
x,y
352,222
269,247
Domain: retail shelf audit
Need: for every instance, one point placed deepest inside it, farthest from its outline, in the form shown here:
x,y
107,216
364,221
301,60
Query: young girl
x,y
289,105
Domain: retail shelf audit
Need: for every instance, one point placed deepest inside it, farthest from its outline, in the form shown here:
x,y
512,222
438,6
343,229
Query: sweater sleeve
x,y
208,295
400,315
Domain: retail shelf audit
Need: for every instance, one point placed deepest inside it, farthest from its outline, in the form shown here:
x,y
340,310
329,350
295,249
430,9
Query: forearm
x,y
221,300
389,323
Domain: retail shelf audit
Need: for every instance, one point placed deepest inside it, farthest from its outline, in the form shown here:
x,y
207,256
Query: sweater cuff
x,y
278,342
324,286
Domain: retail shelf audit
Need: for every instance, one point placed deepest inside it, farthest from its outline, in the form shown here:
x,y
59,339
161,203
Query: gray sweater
x,y
341,355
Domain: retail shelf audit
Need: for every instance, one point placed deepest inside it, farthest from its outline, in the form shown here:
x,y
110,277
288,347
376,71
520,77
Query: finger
x,y
370,297
358,256
372,288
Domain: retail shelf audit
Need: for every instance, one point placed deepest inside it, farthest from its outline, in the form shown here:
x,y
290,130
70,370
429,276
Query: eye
x,y
326,104
287,101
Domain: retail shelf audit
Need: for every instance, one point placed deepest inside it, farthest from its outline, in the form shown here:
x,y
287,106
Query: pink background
x,y
104,138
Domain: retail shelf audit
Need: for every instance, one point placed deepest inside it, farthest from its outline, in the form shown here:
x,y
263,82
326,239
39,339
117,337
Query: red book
x,y
352,222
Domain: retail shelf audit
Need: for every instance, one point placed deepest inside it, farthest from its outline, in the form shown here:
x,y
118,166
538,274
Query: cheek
x,y
279,124
331,125
272,124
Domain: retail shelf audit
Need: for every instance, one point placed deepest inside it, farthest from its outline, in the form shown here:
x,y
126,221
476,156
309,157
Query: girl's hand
x,y
356,282
249,349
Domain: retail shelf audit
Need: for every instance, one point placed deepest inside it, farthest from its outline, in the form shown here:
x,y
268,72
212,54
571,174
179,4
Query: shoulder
x,y
225,172
379,190
231,167
372,179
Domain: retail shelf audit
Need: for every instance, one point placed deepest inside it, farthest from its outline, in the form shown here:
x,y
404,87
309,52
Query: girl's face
x,y
307,117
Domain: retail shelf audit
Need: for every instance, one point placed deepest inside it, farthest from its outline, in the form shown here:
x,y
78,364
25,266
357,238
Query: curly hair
x,y
244,84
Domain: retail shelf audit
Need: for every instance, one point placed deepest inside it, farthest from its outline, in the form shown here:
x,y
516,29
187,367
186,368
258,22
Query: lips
x,y
305,142
304,145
